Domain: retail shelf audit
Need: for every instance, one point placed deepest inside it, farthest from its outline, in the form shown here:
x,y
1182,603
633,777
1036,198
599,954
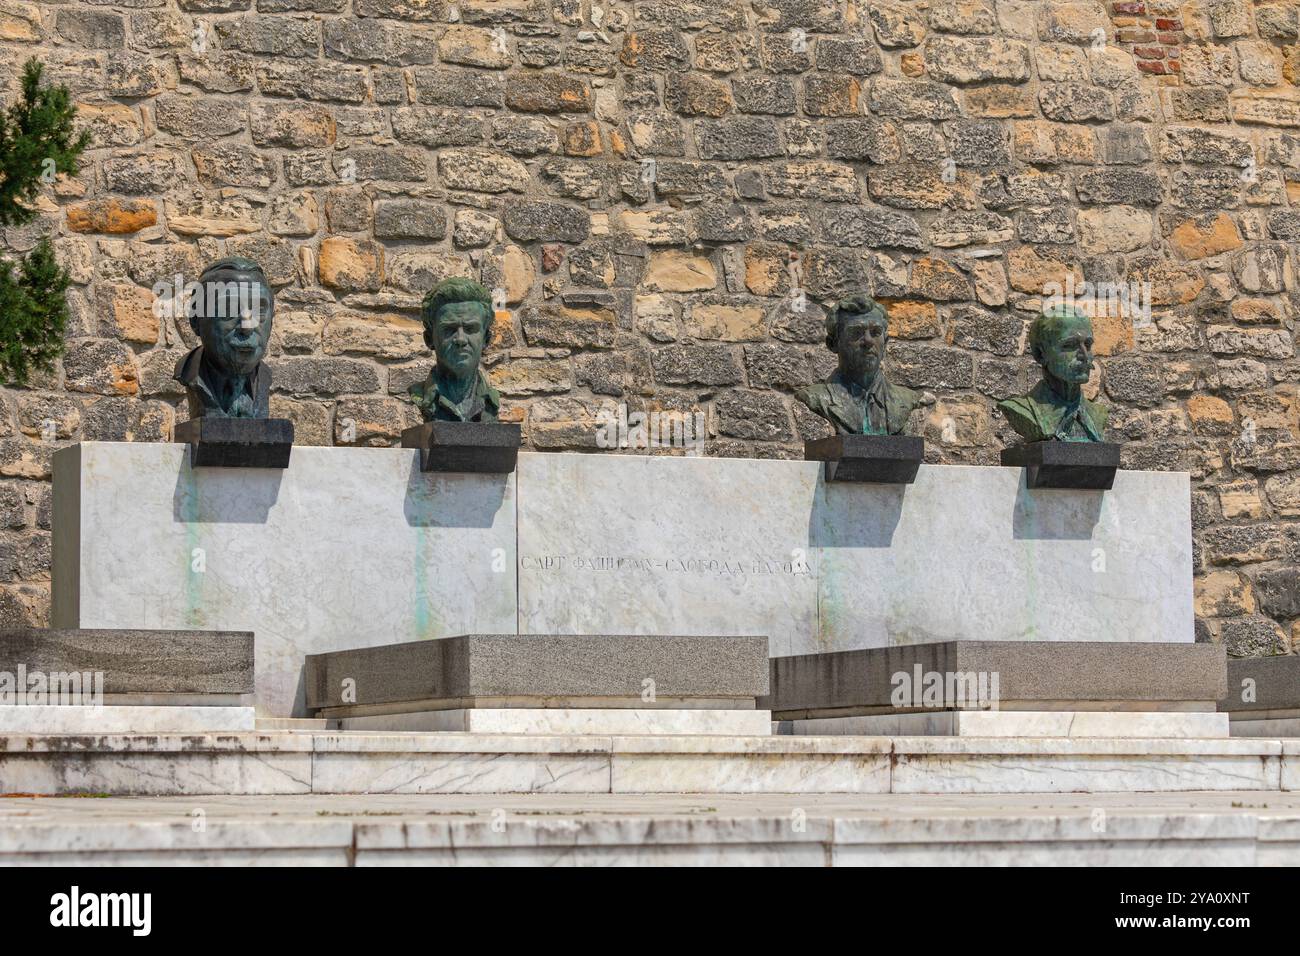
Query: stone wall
x,y
653,184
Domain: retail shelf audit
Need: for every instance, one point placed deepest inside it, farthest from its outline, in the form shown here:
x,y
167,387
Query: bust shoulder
x,y
1099,413
815,396
902,395
1022,413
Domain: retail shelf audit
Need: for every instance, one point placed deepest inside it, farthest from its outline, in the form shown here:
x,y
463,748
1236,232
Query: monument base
x,y
482,447
874,459
986,723
237,442
118,681
570,720
1088,465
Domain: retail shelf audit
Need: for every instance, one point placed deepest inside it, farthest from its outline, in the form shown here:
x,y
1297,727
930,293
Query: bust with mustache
x,y
231,313
858,398
1060,340
457,315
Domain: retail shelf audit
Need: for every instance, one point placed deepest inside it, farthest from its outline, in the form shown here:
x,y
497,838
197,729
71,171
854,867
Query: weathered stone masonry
x,y
954,156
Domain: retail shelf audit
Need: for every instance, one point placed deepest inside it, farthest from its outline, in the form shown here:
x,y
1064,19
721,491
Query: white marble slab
x,y
157,763
1290,776
200,772
524,840
1091,774
1020,724
627,544
569,720
969,552
178,836
347,547
110,719
1096,853
1084,839
750,765
460,772
750,773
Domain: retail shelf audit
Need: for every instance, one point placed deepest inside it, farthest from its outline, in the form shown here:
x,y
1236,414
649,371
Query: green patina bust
x,y
858,398
457,316
1060,340
230,310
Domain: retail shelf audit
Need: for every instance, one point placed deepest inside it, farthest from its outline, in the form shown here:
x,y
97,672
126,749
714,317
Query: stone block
x,y
1020,724
137,661
481,447
237,442
1065,464
1260,687
1003,675
882,459
510,670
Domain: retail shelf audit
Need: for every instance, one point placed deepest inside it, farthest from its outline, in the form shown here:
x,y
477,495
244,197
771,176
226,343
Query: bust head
x,y
857,330
232,314
1060,340
457,316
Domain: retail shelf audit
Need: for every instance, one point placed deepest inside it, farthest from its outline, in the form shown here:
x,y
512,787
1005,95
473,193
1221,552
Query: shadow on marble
x,y
448,500
855,515
1053,514
224,495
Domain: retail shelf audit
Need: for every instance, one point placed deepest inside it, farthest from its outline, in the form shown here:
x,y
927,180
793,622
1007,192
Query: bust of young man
x,y
457,316
858,398
1060,340
231,313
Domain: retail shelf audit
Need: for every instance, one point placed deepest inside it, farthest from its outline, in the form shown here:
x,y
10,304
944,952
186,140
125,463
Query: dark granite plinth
x,y
1274,684
237,442
137,662
491,447
1066,464
879,459
1031,675
472,668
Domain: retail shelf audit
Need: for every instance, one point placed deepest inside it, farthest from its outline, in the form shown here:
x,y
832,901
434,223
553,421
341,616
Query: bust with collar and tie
x,y
230,311
228,386
1061,341
858,398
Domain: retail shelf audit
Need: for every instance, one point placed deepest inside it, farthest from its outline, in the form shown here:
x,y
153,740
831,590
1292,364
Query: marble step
x,y
1200,829
288,762
297,724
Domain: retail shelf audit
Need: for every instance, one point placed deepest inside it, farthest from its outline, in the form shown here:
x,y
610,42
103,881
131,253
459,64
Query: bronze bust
x,y
231,312
858,398
1060,340
457,316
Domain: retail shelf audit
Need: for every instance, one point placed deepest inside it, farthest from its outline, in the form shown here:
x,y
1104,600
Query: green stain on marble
x,y
190,512
423,561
